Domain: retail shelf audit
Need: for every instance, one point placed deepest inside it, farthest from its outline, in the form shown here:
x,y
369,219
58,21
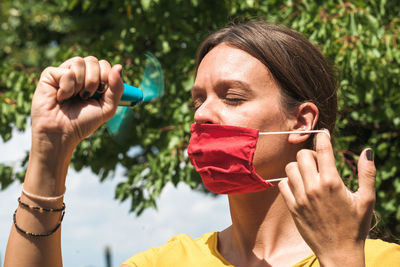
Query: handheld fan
x,y
151,87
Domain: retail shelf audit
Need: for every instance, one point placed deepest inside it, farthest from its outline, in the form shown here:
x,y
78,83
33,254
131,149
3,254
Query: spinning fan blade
x,y
151,87
152,83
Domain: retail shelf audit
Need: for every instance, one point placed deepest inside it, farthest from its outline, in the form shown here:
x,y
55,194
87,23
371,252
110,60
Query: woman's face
x,y
234,88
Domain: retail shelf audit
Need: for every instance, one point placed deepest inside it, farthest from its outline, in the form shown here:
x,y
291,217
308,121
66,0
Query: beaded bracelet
x,y
40,209
34,234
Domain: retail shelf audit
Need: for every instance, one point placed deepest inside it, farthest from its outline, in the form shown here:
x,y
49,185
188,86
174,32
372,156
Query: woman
x,y
251,78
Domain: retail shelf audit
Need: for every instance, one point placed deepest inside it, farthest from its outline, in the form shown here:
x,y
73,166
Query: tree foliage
x,y
361,38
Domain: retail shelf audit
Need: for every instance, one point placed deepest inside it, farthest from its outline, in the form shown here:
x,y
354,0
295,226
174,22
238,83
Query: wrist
x,y
53,139
47,167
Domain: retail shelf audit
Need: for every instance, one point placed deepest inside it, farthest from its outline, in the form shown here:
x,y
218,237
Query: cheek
x,y
235,117
265,116
246,117
270,156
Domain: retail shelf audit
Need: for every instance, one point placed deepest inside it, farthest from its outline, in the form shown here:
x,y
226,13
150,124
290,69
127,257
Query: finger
x,y
92,77
366,174
295,180
78,66
287,193
113,94
105,68
325,157
306,160
60,79
67,86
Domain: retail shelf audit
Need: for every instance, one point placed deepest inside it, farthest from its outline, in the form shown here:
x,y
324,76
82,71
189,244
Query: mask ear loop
x,y
299,132
291,132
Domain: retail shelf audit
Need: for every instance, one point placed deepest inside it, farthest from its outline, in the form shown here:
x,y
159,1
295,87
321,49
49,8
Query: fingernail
x,y
370,154
101,88
85,95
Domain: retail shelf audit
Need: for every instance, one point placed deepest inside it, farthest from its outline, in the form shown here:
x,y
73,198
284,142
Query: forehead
x,y
225,62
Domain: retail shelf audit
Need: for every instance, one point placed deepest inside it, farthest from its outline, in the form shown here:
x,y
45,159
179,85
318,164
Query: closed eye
x,y
234,97
198,97
196,103
233,101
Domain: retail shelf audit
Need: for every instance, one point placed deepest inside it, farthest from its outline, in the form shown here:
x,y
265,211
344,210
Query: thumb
x,y
366,173
113,95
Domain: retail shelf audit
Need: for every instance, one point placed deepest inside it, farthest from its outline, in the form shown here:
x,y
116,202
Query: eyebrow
x,y
196,88
227,83
234,83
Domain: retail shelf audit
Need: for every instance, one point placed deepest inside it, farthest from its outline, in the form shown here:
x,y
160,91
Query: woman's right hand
x,y
63,113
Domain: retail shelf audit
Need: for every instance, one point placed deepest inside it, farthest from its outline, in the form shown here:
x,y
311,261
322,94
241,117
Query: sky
x,y
95,220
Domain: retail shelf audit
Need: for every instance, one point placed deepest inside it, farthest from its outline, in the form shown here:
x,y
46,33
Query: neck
x,y
262,230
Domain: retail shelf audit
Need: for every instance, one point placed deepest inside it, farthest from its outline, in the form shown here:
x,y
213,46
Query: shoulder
x,y
185,240
180,250
378,253
381,253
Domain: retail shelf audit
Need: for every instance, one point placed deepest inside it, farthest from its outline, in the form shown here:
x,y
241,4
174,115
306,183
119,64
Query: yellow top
x,y
183,251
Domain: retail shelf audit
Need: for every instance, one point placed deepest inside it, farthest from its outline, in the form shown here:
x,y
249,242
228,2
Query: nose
x,y
207,112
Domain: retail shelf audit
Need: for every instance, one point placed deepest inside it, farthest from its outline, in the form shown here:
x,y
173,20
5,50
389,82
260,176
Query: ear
x,y
304,119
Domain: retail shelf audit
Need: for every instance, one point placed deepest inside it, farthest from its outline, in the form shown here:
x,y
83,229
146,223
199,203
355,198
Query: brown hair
x,y
299,68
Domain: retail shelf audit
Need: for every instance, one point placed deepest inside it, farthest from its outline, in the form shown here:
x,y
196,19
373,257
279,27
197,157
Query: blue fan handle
x,y
131,96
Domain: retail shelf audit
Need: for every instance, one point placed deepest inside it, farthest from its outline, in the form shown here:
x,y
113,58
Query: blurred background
x,y
112,185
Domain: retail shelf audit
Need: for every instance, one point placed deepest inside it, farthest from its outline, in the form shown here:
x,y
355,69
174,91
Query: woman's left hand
x,y
332,220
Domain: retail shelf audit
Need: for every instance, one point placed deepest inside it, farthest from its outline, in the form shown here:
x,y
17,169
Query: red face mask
x,y
223,156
